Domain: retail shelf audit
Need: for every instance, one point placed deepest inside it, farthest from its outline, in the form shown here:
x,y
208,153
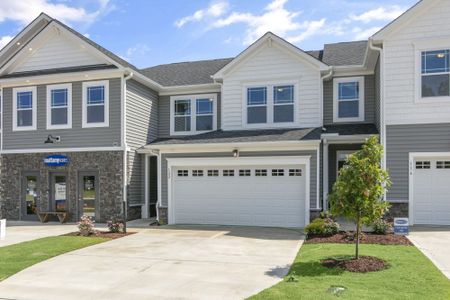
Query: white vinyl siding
x,y
402,68
24,108
95,104
59,106
272,65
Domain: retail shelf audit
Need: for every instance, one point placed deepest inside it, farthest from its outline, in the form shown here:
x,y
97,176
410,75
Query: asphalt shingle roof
x,y
344,54
351,129
243,136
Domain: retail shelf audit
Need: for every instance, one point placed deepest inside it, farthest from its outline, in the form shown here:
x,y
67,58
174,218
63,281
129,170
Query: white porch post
x,y
325,174
145,207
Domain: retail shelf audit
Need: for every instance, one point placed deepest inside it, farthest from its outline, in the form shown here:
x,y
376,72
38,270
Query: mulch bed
x,y
362,265
103,234
366,238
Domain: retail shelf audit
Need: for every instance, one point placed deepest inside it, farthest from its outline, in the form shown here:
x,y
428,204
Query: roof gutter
x,y
127,76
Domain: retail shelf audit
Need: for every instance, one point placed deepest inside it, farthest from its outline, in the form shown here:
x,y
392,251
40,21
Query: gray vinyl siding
x,y
403,139
313,167
75,137
377,95
332,160
141,129
164,114
369,104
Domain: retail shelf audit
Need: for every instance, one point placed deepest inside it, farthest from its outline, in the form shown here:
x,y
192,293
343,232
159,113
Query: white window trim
x,y
105,83
336,82
269,104
33,90
193,99
420,47
342,155
67,86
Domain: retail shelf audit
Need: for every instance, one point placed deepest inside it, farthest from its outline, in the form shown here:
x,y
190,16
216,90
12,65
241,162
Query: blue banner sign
x,y
56,160
401,226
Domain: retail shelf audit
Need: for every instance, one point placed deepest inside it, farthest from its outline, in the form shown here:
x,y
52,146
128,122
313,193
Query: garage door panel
x,y
240,200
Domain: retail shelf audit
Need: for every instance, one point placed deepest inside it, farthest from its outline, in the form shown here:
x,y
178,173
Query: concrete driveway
x,y
164,263
434,242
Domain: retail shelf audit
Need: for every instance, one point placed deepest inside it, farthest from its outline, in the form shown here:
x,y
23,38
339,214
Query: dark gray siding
x,y
164,114
142,128
377,95
313,167
332,160
74,137
369,105
403,139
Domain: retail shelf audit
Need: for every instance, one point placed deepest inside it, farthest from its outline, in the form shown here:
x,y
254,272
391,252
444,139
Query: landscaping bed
x,y
101,234
362,265
366,238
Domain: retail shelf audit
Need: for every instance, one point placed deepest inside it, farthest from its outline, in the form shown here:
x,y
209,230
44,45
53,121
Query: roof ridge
x,y
189,61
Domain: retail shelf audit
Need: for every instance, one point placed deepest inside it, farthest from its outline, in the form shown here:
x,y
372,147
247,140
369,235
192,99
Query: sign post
x,y
2,229
401,226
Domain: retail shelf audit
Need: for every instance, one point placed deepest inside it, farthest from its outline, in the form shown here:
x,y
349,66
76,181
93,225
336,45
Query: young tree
x,y
360,186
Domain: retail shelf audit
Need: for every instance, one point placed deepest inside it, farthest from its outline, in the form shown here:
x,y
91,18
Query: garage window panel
x,y
423,164
183,173
443,164
260,172
295,172
277,172
197,173
228,173
245,172
213,173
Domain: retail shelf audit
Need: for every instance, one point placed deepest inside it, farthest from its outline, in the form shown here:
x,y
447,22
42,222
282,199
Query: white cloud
x,y
214,10
388,13
5,40
24,11
363,34
311,28
137,50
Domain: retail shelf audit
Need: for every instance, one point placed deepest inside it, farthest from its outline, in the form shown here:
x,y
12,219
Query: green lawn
x,y
410,276
15,258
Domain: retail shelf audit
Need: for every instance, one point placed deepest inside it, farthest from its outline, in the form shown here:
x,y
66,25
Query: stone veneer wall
x,y
108,164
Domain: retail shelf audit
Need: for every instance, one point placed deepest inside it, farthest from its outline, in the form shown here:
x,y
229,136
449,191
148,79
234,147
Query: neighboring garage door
x,y
246,195
431,188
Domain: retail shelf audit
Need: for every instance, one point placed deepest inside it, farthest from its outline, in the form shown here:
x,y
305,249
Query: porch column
x,y
145,208
325,174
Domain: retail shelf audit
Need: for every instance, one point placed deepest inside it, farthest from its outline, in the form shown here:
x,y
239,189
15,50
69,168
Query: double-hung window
x,y
348,98
192,114
435,73
272,104
59,106
96,104
24,108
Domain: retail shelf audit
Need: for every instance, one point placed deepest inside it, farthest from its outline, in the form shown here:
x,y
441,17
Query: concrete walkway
x,y
21,231
164,263
434,242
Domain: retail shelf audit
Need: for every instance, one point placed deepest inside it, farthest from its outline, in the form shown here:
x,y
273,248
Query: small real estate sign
x,y
401,226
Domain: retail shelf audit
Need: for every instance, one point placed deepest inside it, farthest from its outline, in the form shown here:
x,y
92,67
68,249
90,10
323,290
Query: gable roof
x,y
345,53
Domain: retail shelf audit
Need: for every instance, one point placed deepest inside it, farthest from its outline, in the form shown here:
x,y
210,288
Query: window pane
x,y
59,97
24,100
204,123
182,107
59,116
435,61
25,117
283,94
435,85
96,95
60,193
348,109
257,96
348,90
182,124
257,115
31,194
96,114
283,113
204,106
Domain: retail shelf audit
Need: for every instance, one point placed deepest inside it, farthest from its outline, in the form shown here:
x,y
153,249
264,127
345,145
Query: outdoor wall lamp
x,y
52,139
235,153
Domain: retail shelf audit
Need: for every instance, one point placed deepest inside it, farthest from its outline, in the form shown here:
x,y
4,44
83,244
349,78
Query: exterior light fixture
x,y
52,139
440,55
235,153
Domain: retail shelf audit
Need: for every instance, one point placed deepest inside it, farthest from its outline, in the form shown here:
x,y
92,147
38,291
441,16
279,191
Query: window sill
x,y
433,100
185,133
56,127
28,128
95,125
347,120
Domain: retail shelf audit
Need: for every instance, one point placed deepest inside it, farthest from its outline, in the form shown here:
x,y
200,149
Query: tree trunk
x,y
358,232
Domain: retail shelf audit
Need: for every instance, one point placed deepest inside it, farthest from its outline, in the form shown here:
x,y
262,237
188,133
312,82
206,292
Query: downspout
x,y
325,146
382,106
125,147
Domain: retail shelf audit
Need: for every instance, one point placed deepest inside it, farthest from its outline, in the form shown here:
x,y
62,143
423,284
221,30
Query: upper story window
x,y
192,114
59,106
96,104
24,108
435,73
348,99
270,104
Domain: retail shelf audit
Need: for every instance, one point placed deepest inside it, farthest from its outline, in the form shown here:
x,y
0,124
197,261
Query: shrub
x,y
381,226
86,225
116,225
320,226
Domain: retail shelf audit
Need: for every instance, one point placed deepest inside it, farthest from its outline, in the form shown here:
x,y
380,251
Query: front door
x,y
30,195
58,192
88,194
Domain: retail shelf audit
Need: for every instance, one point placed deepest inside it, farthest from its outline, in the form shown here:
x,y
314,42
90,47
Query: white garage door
x,y
248,195
431,200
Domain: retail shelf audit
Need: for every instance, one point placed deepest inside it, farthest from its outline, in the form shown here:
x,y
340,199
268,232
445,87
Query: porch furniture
x,y
44,216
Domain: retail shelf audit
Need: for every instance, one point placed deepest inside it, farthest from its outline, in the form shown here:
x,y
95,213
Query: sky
x,y
153,32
